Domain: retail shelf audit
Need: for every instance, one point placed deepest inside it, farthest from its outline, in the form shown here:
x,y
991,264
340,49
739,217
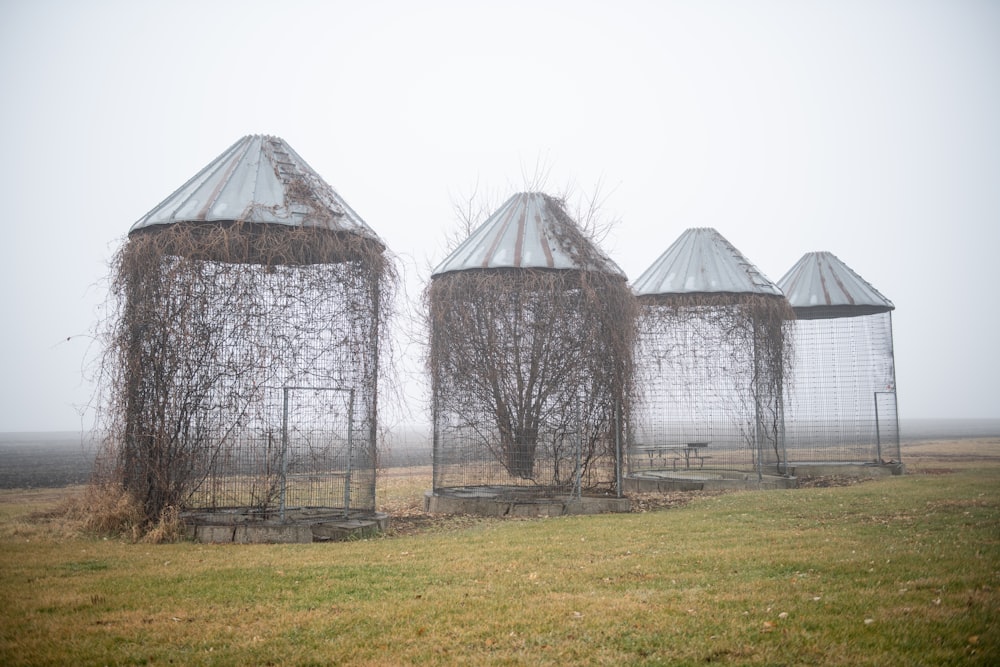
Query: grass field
x,y
902,570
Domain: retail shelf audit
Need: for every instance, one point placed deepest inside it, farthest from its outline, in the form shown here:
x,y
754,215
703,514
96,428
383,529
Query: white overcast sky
x,y
867,128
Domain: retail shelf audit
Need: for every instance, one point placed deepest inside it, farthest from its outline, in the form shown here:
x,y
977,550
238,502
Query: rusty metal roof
x,y
702,261
821,286
530,230
258,179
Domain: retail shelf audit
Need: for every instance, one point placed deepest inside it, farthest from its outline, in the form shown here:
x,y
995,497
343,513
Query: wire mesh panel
x,y
709,372
841,402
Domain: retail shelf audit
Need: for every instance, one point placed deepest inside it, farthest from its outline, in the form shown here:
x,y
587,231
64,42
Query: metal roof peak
x,y
259,179
703,261
531,230
821,286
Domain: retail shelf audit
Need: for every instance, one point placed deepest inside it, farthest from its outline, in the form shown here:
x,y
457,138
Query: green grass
x,y
896,571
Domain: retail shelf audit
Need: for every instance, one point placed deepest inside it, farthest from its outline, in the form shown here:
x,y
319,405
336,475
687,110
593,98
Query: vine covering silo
x,y
530,356
242,361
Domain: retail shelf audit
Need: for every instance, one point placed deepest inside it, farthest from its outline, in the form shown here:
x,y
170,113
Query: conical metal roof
x,y
821,286
530,230
258,179
702,261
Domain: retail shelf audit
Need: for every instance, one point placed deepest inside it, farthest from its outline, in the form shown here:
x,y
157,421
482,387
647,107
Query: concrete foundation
x,y
826,468
652,481
299,526
517,502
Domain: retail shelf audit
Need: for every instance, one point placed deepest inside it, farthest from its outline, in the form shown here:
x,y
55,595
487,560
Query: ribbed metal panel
x,y
702,261
258,179
821,286
526,232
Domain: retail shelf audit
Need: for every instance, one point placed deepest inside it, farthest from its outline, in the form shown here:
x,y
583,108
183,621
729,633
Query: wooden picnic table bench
x,y
687,451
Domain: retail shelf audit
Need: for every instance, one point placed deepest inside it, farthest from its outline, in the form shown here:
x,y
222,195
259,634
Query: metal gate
x,y
318,452
886,427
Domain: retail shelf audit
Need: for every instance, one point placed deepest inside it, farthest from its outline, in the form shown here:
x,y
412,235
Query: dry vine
x,y
733,348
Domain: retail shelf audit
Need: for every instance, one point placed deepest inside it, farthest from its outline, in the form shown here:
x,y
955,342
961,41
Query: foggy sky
x,y
865,128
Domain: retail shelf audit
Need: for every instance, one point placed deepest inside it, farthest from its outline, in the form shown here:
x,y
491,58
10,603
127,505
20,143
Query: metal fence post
x,y
579,447
878,433
618,449
350,453
284,449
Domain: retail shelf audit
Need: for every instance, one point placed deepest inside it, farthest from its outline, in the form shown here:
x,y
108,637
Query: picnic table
x,y
674,453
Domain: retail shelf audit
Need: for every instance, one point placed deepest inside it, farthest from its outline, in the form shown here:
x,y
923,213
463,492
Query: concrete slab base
x,y
300,526
652,481
517,502
825,469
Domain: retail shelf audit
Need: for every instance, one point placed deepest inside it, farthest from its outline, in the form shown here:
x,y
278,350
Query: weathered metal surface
x,y
259,179
702,261
526,232
821,286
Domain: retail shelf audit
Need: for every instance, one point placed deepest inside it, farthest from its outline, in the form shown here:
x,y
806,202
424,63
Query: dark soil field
x,y
44,460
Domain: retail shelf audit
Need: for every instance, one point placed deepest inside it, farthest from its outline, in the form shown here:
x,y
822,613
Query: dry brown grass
x,y
107,510
941,456
96,510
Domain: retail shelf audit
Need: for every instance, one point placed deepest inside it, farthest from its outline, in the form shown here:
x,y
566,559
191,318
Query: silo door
x,y
318,448
886,427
